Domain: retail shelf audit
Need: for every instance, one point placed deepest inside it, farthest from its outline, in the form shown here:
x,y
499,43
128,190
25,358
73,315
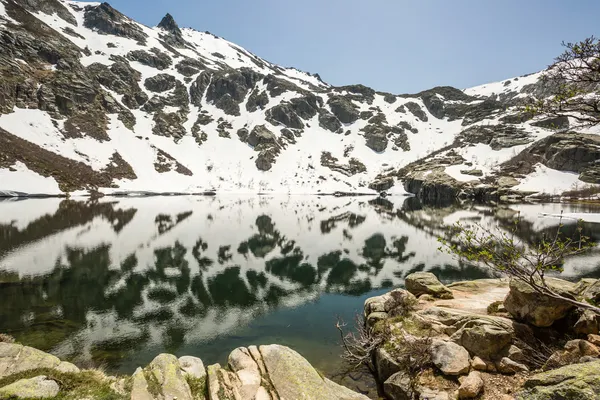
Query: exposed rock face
x,y
577,381
573,152
153,58
561,122
285,115
343,109
174,36
160,83
329,121
497,137
419,283
353,167
416,110
109,21
525,304
260,135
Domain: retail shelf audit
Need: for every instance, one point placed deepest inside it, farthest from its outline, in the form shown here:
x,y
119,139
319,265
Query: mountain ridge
x,y
95,102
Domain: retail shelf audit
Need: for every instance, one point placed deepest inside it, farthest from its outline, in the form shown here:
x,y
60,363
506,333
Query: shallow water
x,y
116,281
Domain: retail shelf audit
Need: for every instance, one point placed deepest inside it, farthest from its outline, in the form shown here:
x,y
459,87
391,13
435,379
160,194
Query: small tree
x,y
504,252
573,80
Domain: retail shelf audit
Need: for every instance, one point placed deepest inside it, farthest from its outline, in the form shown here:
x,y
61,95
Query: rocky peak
x,y
174,37
106,20
168,23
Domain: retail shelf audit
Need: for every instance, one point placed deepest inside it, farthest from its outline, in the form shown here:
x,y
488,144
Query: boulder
x,y
431,394
577,381
470,385
526,304
15,358
482,338
449,357
589,289
166,370
35,388
508,366
588,323
594,339
139,388
247,371
396,302
385,364
67,367
398,387
572,352
478,364
419,283
266,159
192,366
294,378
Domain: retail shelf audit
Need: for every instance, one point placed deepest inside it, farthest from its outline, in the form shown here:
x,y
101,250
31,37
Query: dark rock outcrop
x,y
105,19
160,83
284,114
343,109
155,59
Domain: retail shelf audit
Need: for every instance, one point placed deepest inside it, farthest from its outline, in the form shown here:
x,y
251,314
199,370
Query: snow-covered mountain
x,y
91,100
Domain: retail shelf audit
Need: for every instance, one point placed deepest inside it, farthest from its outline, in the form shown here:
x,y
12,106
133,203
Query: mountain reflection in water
x,y
116,281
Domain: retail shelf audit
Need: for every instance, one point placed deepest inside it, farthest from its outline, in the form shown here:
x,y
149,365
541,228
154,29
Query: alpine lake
x,y
115,281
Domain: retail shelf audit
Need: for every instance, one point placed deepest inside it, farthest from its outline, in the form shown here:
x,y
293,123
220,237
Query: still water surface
x,y
116,281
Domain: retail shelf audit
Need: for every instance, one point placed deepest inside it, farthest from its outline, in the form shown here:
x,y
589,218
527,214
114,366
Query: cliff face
x,y
91,100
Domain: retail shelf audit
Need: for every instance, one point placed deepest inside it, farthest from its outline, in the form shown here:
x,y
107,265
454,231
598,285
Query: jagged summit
x,y
168,23
95,101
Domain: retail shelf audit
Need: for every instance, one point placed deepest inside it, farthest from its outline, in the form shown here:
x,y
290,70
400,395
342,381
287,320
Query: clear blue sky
x,y
397,46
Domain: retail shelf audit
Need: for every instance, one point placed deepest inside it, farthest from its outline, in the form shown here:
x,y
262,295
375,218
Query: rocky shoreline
x,y
269,372
485,339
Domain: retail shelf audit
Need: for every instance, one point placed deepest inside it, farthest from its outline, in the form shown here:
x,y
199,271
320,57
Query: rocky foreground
x,y
262,373
487,339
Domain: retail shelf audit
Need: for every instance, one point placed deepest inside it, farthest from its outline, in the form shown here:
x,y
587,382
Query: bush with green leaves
x,y
504,252
573,81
